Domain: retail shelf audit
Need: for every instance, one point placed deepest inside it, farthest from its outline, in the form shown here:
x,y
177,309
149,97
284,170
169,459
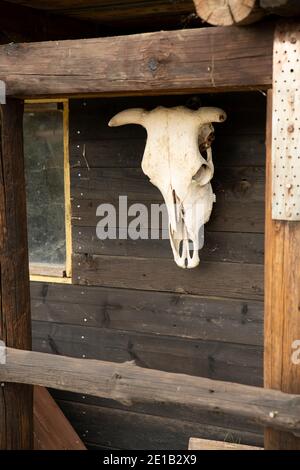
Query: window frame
x,y
47,273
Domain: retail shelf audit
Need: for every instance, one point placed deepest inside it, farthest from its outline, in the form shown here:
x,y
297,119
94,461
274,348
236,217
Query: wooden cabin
x,y
124,300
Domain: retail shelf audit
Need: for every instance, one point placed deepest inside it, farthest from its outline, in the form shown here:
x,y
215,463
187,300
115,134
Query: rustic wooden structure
x,y
130,384
52,431
282,286
229,13
205,444
16,416
230,287
131,16
241,60
239,12
27,24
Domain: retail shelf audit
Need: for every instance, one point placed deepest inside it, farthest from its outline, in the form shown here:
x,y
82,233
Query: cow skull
x,y
178,140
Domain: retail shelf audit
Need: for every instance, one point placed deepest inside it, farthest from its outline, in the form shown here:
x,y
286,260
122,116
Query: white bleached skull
x,y
178,141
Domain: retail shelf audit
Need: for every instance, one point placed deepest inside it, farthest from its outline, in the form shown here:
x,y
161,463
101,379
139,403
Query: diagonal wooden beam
x,y
206,59
52,430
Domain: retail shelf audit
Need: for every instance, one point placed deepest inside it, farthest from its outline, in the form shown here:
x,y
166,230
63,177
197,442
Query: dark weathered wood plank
x,y
237,216
159,313
16,407
25,24
154,63
234,183
281,7
239,192
233,424
227,216
122,14
228,150
234,280
222,361
218,246
129,430
128,383
245,115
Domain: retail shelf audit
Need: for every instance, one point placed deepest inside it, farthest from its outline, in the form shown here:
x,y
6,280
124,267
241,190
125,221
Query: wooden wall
x,y
129,301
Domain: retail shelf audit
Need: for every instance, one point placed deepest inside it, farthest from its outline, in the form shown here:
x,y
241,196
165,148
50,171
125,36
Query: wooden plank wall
x,y
129,301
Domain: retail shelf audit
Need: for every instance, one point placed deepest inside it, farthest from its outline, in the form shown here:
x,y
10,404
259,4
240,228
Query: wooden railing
x,y
128,383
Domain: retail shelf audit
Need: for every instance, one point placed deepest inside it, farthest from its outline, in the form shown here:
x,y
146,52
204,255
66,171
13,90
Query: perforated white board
x,y
286,123
2,353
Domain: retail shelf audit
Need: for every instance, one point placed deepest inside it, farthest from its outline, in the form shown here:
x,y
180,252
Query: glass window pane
x,y
44,169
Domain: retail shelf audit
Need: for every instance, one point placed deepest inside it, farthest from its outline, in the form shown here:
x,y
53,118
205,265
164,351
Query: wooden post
x,y
282,302
16,401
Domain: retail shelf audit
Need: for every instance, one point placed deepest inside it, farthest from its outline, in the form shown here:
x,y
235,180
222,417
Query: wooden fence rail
x,y
128,384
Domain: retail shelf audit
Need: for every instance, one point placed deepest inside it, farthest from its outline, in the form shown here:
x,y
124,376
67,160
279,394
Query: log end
x,y
228,12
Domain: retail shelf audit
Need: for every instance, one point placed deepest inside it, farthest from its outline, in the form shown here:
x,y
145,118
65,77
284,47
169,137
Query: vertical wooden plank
x,y
67,184
16,401
282,302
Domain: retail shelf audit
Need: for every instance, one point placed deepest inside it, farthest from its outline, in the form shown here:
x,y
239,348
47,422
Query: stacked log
x,y
243,12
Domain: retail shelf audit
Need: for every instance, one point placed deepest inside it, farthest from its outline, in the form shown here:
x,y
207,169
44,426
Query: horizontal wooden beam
x,y
129,384
205,59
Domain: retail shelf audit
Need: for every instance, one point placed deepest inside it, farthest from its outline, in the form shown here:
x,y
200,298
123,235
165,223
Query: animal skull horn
x,y
173,160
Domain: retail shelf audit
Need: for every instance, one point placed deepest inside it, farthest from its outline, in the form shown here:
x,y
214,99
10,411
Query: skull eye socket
x,y
203,175
205,142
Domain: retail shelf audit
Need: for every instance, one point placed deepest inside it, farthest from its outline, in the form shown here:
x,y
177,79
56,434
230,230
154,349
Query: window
x,y
48,189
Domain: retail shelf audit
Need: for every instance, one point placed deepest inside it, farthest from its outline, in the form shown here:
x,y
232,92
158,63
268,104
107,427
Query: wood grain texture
x,y
16,408
201,334
129,383
234,426
131,431
204,444
238,183
240,281
224,58
222,361
246,116
227,216
127,9
123,14
230,12
52,430
218,246
106,151
282,300
159,313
